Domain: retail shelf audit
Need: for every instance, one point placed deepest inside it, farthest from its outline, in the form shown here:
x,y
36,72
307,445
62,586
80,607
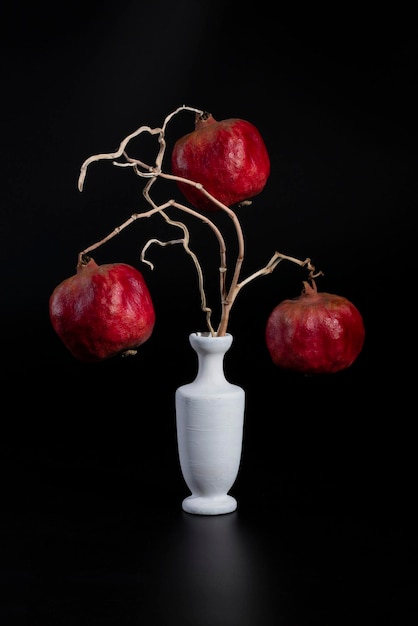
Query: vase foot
x,y
209,505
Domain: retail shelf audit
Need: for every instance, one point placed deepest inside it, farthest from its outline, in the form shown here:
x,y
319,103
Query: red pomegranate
x,y
102,310
229,158
315,333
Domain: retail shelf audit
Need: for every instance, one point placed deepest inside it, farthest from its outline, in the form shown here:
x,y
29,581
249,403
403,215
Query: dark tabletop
x,y
91,525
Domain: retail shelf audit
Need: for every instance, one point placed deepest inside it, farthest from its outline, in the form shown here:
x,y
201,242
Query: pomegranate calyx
x,y
85,261
309,289
204,119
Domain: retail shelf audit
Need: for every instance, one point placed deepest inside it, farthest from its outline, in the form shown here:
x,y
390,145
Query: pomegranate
x,y
229,158
102,310
315,333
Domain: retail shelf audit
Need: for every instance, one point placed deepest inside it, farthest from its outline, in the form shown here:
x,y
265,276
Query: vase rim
x,y
208,335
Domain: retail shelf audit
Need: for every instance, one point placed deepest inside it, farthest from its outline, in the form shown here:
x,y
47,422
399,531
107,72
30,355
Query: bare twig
x,y
152,173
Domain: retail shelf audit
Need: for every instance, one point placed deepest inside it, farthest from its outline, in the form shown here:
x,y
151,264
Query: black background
x,y
92,527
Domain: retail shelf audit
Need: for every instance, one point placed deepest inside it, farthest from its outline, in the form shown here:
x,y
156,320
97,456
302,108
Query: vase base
x,y
209,505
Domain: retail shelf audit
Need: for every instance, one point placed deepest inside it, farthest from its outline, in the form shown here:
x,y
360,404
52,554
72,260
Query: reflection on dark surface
x,y
214,575
83,543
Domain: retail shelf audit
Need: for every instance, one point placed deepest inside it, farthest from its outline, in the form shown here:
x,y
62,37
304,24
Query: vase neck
x,y
210,352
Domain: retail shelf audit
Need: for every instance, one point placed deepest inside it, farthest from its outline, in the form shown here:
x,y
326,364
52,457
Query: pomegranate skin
x,y
315,333
102,311
229,158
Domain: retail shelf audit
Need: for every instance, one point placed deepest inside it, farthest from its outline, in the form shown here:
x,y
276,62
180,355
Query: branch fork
x,y
154,172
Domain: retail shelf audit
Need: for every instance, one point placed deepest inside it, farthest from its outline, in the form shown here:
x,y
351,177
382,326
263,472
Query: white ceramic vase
x,y
210,420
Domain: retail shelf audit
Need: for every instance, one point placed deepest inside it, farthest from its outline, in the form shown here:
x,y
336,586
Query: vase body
x,y
210,421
